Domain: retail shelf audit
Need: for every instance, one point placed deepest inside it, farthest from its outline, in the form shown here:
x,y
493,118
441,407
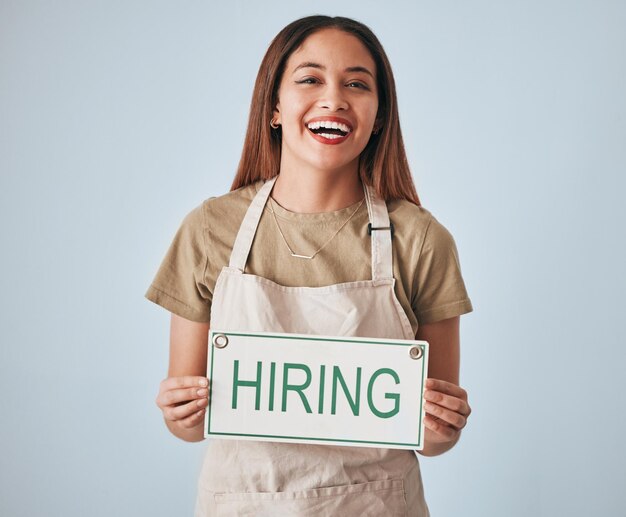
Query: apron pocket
x,y
375,498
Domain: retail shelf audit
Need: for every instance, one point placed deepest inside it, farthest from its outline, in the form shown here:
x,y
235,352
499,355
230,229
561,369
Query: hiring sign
x,y
316,389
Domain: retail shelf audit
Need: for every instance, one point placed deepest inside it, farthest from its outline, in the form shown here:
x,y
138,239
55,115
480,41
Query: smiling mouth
x,y
329,131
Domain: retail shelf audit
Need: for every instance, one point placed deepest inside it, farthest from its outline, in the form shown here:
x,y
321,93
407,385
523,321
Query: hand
x,y
447,411
183,400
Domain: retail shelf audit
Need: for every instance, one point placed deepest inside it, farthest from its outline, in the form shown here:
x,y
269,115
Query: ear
x,y
276,114
378,124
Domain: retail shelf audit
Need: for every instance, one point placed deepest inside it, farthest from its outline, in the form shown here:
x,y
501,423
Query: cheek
x,y
293,107
374,113
369,111
367,124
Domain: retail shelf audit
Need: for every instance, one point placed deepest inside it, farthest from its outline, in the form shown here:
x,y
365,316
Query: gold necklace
x,y
297,255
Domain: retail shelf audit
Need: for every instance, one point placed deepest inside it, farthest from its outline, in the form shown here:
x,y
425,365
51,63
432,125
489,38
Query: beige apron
x,y
254,478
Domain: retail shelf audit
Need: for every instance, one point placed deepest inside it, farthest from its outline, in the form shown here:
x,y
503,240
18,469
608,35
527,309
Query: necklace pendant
x,y
309,257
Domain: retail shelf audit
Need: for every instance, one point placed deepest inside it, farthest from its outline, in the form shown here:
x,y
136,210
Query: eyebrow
x,y
309,64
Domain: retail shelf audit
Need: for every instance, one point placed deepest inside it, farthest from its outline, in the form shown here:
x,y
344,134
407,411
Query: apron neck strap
x,y
380,232
379,224
247,230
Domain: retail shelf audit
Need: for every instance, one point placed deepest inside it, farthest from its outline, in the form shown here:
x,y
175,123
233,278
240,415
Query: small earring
x,y
274,125
376,130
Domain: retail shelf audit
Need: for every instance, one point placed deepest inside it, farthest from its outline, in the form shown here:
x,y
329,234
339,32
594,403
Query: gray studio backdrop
x,y
117,118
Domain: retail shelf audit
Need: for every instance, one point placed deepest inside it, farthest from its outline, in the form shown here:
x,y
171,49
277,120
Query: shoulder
x,y
221,220
232,203
417,232
408,216
220,210
411,225
416,220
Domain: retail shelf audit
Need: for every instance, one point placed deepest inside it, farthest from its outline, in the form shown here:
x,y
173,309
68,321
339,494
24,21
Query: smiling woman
x,y
382,161
303,244
329,81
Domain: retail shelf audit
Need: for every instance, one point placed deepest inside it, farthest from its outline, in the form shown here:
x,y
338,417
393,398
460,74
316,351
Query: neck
x,y
314,191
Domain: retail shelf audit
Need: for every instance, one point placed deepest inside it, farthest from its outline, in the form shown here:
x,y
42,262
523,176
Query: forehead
x,y
332,48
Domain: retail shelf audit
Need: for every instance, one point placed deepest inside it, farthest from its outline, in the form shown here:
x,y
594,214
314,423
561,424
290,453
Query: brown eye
x,y
307,80
357,84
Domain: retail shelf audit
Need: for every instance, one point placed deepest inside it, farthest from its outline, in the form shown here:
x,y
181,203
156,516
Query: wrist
x,y
437,448
187,434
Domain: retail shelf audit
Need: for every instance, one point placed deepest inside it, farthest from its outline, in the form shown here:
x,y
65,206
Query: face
x,y
327,102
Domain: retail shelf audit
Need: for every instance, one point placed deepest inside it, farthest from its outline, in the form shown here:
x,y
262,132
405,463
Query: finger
x,y
185,410
455,404
188,381
440,428
193,420
449,417
176,396
446,387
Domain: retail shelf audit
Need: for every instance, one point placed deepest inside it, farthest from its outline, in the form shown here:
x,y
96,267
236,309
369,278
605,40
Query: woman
x,y
322,163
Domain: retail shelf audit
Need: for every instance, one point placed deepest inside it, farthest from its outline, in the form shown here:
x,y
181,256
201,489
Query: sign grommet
x,y
415,352
220,340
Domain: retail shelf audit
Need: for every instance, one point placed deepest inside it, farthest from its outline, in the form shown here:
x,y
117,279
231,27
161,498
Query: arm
x,y
446,403
183,396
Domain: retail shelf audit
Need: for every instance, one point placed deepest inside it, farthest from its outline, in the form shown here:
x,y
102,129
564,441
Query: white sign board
x,y
316,389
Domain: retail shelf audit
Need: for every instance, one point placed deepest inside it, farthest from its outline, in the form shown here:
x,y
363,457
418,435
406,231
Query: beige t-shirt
x,y
426,267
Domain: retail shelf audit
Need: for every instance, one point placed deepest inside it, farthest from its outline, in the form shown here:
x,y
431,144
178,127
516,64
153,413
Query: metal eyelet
x,y
415,352
220,340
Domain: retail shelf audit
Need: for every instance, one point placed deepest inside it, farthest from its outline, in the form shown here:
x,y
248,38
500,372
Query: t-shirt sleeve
x,y
439,289
179,285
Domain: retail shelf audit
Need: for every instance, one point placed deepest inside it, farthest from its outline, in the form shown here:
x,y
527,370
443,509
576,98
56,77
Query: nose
x,y
333,98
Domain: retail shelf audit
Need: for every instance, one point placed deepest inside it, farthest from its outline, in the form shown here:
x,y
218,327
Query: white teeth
x,y
330,125
330,136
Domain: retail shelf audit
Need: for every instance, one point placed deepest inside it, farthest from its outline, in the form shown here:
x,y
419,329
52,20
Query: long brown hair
x,y
382,164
